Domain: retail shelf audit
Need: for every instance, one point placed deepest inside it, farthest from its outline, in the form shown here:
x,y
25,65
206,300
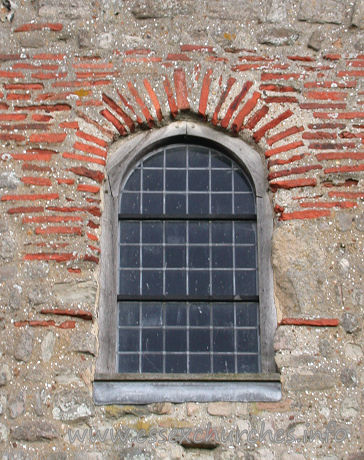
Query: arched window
x,y
186,283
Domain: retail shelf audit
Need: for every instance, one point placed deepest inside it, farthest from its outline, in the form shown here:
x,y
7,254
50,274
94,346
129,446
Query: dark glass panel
x,y
246,282
175,256
221,232
224,364
152,340
200,364
244,203
152,282
198,157
221,180
199,340
176,340
153,180
152,314
199,256
175,282
223,340
130,203
155,161
221,203
222,282
248,363
198,180
222,256
128,363
245,232
198,204
198,232
152,256
152,232
176,157
129,283
241,183
176,314
153,204
129,232
133,183
247,340
175,232
199,283
223,314
128,339
245,257
218,160
176,364
129,256
199,314
128,314
152,363
175,180
247,314
175,204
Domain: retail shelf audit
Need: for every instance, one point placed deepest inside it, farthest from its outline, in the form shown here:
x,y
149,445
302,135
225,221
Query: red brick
x,y
48,76
141,104
235,104
50,256
340,156
69,124
92,237
25,127
339,116
255,119
91,210
244,112
31,156
80,84
49,138
332,204
324,322
90,149
100,127
12,116
18,97
205,89
288,132
283,148
93,65
83,314
98,176
65,181
89,258
41,181
281,76
329,146
330,84
181,89
287,161
49,57
288,184
277,88
142,51
315,105
326,95
222,99
67,325
112,104
301,58
344,169
9,74
280,99
12,137
245,67
56,27
28,66
289,172
177,57
171,101
272,124
130,107
188,48
46,196
25,210
3,106
352,195
319,135
74,270
87,159
110,117
154,99
93,74
351,73
332,57
9,57
44,118
30,167
314,214
44,107
34,323
326,126
58,230
88,188
144,60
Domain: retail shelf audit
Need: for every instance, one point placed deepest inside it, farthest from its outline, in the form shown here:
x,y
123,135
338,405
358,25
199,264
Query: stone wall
x,y
76,77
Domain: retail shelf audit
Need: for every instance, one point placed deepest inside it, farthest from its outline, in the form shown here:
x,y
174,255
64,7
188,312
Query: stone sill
x,y
147,390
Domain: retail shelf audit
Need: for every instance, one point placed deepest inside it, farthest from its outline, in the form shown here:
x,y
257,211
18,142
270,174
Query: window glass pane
x,y
129,256
221,203
246,282
224,364
222,282
248,363
128,363
221,180
223,314
221,232
176,157
130,203
223,340
244,203
152,204
152,256
245,257
247,314
199,315
199,283
247,340
128,339
241,183
200,364
218,160
176,363
198,204
152,232
152,179
129,282
175,282
175,204
175,256
128,314
154,161
152,339
175,232
198,180
152,314
133,183
176,340
175,180
222,257
152,362
176,314
198,157
200,340
129,232
152,282
198,232
199,256
245,232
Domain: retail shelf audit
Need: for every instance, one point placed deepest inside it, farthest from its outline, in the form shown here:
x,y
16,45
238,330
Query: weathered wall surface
x,y
76,76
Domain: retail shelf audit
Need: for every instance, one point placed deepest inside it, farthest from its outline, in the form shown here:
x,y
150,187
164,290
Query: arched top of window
x,y
188,180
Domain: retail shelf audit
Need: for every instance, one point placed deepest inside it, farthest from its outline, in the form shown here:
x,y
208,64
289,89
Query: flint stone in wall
x,y
64,9
47,346
24,348
310,382
2,404
8,180
278,36
84,343
357,19
284,338
322,11
315,41
72,405
150,9
16,405
37,270
32,431
359,222
3,433
83,292
359,45
349,322
15,297
353,352
7,272
344,221
5,374
277,11
349,408
348,377
37,295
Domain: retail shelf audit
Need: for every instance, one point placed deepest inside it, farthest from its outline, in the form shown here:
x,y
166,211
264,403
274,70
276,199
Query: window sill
x,y
177,388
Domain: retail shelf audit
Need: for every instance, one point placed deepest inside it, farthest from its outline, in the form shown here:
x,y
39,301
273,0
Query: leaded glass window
x,y
188,280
